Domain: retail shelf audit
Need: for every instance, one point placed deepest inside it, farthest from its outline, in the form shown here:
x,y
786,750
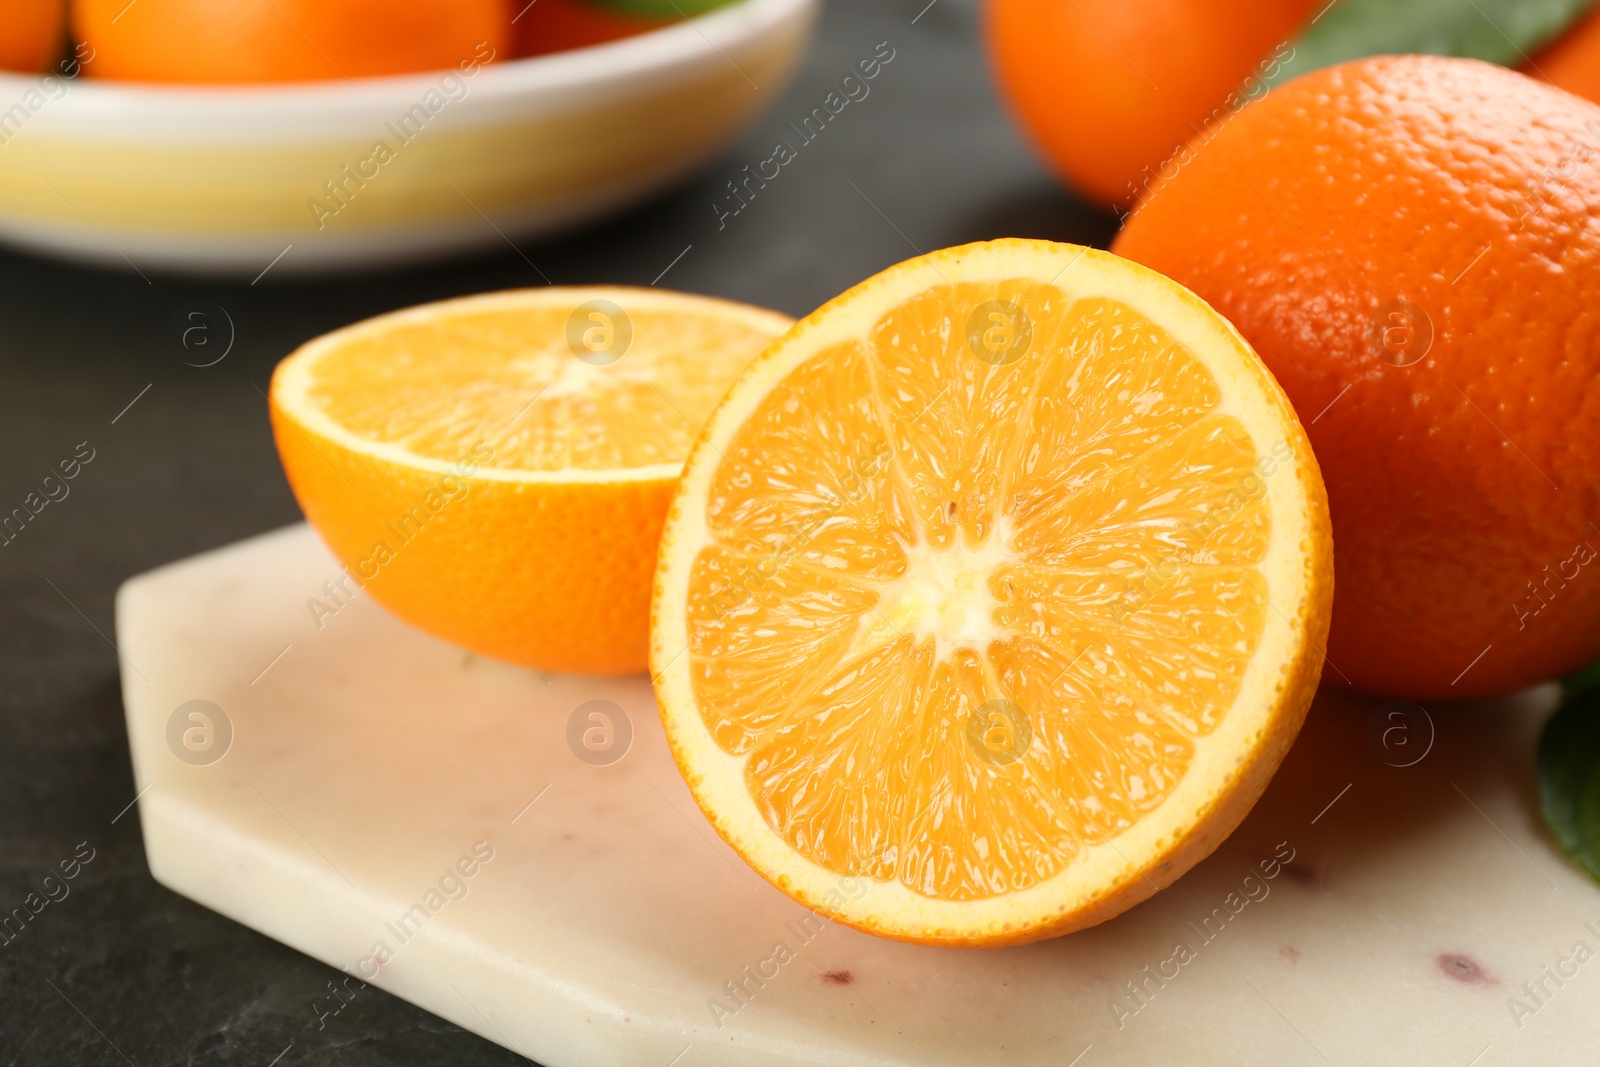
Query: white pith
x,y
943,596
565,375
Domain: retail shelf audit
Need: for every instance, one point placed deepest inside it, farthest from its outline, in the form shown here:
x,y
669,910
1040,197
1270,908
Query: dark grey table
x,y
123,971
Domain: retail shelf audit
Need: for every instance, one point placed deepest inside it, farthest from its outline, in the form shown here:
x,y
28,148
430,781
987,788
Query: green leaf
x,y
1569,778
1579,681
662,9
1507,32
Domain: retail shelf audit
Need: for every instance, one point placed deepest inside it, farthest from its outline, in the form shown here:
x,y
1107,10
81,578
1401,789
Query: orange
x,y
496,469
287,40
992,595
1107,90
1411,244
32,33
1573,61
558,25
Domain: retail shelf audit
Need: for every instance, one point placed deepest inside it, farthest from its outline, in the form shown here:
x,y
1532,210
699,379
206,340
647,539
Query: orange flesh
x,y
508,378
1046,556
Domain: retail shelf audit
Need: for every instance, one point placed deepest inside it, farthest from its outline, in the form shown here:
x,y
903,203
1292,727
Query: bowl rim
x,y
688,43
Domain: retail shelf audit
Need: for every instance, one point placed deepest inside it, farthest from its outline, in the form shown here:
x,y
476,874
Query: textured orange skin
x,y
1573,61
1108,88
1213,824
556,576
1383,179
218,41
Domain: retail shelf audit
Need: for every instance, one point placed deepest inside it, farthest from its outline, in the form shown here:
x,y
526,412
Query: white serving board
x,y
367,760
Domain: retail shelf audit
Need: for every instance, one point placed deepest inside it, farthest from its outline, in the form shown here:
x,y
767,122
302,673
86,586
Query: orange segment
x,y
1123,388
496,469
748,621
782,498
996,584
935,373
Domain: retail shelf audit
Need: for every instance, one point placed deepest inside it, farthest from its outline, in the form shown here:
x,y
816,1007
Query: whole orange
x,y
33,33
287,40
1411,244
559,25
1573,61
1108,90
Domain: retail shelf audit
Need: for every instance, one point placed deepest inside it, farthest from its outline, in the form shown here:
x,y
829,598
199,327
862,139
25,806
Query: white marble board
x,y
583,913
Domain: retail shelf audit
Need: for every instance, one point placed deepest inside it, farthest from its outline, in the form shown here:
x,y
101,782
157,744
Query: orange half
x,y
496,469
992,595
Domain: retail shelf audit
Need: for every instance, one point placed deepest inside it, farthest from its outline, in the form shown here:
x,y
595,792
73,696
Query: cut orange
x,y
992,595
496,469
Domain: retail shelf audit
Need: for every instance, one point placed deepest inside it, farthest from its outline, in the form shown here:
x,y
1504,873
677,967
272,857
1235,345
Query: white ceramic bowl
x,y
230,179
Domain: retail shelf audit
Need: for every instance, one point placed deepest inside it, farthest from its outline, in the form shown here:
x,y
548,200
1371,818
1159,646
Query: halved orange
x,y
496,469
992,595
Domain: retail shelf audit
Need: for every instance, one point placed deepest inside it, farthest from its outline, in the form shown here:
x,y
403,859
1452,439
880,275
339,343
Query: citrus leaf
x,y
662,9
1507,32
1581,680
1569,779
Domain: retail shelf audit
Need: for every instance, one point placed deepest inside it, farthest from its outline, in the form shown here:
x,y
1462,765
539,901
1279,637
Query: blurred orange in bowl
x,y
31,33
1108,90
286,40
304,176
560,25
1573,62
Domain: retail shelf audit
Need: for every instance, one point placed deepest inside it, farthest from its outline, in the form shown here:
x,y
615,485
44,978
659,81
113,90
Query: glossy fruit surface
x,y
495,470
32,34
219,41
1412,245
561,25
1107,90
992,595
1573,62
